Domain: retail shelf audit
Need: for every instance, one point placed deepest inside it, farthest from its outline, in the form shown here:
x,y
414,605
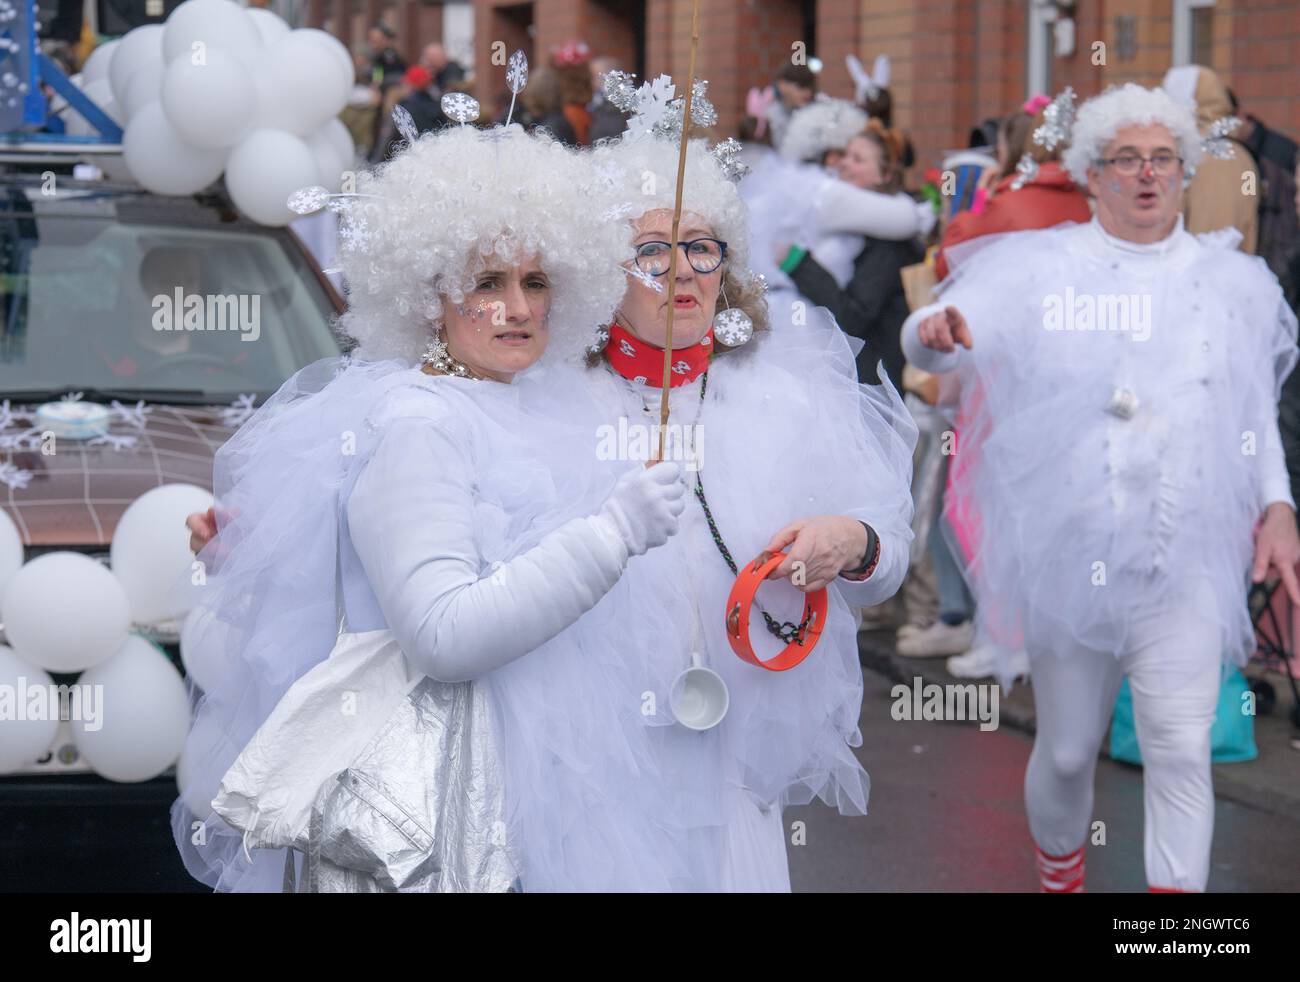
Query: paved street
x,y
947,815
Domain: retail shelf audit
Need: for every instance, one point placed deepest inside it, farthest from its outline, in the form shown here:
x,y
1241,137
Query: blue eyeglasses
x,y
704,255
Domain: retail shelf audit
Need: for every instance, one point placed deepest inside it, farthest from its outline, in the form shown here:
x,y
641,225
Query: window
x,y
1193,31
1042,43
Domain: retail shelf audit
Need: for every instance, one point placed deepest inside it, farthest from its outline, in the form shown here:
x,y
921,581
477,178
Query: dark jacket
x,y
1288,409
427,113
606,121
872,306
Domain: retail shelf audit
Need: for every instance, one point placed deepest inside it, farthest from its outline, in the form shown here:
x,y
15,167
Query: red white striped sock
x,y
1060,874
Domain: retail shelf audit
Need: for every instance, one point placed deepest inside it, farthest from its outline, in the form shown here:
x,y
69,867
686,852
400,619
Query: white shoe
x,y
908,630
982,662
938,641
978,663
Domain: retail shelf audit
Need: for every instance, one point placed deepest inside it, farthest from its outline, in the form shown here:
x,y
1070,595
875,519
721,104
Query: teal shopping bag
x,y
1232,738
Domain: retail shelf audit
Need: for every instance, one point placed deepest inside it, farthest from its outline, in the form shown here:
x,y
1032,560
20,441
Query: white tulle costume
x,y
1118,444
441,508
788,433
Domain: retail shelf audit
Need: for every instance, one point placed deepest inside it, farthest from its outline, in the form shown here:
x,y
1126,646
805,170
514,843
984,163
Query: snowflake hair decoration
x,y
1058,120
1215,143
1026,171
654,108
824,124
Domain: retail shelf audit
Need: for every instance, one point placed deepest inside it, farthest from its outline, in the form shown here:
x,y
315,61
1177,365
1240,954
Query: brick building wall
x,y
954,62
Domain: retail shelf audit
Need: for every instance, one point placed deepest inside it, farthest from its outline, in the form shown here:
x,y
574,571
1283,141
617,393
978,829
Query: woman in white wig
x,y
785,452
406,489
1120,379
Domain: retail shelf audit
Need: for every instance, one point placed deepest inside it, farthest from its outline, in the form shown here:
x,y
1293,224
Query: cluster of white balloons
x,y
64,612
218,87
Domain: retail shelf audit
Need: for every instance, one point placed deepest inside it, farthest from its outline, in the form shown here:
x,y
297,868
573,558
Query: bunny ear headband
x,y
866,86
757,103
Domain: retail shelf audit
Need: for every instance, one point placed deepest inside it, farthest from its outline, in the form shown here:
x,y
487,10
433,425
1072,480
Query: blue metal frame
x,y
34,67
48,71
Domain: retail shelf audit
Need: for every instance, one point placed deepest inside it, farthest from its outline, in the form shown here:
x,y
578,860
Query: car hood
x,y
75,496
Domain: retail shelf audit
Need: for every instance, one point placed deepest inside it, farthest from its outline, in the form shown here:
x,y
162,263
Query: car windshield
x,y
91,303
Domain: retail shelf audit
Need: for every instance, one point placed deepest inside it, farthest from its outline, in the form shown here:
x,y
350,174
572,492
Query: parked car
x,y
89,273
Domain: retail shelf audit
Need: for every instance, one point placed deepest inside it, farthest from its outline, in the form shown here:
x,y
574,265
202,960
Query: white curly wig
x,y
641,176
428,221
824,124
1102,116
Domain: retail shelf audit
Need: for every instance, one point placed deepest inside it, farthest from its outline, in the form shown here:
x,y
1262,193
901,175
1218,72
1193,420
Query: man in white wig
x,y
1125,477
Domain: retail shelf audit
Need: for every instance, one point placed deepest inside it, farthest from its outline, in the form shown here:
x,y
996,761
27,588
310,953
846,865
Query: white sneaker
x,y
982,662
938,641
908,630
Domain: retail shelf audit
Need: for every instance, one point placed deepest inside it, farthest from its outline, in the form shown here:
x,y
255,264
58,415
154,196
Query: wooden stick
x,y
677,219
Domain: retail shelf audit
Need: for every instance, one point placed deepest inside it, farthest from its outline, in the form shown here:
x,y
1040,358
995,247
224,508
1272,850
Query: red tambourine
x,y
740,602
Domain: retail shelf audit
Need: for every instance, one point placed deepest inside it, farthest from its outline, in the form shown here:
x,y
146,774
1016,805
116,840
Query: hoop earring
x,y
732,326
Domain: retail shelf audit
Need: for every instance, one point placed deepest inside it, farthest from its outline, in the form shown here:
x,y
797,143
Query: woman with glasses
x,y
784,451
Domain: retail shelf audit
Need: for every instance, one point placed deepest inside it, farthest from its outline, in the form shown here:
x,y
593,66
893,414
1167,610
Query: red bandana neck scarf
x,y
643,363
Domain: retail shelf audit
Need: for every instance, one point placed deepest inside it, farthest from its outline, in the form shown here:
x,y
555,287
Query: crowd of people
x,y
1085,333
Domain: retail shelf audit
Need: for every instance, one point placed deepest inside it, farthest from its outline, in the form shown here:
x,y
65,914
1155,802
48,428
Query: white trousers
x,y
1173,665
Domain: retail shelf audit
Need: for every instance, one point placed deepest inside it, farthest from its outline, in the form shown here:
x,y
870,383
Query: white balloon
x,y
267,167
101,94
347,70
135,50
144,718
206,651
328,161
11,550
142,88
151,554
298,87
270,26
96,66
65,612
161,161
209,105
341,137
23,741
197,26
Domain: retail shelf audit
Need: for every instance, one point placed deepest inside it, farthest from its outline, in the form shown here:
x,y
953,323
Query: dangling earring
x,y
439,359
732,326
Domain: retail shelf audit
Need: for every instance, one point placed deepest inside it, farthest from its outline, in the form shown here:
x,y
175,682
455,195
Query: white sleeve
x,y
928,359
1274,480
411,521
841,207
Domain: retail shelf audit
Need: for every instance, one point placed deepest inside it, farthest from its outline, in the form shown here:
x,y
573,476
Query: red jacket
x,y
1050,199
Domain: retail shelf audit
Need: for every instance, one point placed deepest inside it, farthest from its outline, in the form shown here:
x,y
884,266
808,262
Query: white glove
x,y
644,507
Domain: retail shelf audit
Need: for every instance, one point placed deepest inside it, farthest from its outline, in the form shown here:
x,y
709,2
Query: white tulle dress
x,y
788,433
1108,466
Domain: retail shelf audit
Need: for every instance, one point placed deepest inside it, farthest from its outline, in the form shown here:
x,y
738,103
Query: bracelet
x,y
793,258
868,565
